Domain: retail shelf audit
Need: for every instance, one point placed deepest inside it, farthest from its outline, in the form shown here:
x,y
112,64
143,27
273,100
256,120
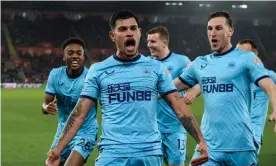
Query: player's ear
x,y
112,36
230,32
165,42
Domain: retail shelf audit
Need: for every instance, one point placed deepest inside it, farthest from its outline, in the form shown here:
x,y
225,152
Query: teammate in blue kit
x,y
127,84
65,83
261,100
173,134
225,78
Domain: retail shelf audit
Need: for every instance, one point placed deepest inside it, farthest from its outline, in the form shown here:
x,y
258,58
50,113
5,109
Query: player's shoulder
x,y
103,64
181,57
58,70
245,54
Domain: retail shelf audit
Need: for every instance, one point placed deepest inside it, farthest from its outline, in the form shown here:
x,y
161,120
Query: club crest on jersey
x,y
231,64
147,71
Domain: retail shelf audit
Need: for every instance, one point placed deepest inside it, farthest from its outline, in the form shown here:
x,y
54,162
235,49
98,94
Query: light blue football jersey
x,y
67,91
260,108
225,81
127,91
167,120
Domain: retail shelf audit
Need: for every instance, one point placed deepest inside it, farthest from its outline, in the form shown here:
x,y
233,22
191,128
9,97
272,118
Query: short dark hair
x,y
163,32
73,40
224,14
123,14
249,41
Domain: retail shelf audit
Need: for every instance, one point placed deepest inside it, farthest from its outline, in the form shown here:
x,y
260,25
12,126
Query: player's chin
x,y
131,54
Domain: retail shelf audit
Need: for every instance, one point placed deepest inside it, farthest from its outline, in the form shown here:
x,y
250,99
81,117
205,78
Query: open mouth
x,y
214,41
130,45
75,63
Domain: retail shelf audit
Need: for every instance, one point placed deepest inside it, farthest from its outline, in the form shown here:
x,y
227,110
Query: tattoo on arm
x,y
72,118
189,123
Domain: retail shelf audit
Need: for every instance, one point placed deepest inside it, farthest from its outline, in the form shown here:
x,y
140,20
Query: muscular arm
x,y
185,116
180,85
74,122
47,99
270,89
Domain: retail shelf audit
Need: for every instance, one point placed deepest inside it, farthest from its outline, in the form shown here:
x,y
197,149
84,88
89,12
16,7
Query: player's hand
x,y
272,117
202,148
53,158
51,108
189,97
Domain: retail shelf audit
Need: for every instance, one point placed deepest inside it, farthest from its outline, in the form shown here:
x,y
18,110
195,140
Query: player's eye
x,y
133,28
121,29
209,28
218,28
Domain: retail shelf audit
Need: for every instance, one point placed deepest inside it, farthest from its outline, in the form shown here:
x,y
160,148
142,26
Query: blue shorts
x,y
155,160
82,144
174,147
240,158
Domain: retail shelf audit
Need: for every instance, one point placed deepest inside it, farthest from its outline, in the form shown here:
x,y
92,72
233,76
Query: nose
x,y
129,33
213,32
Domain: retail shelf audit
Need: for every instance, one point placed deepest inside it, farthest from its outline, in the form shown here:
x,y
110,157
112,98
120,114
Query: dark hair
x,y
226,15
123,14
72,40
249,41
163,32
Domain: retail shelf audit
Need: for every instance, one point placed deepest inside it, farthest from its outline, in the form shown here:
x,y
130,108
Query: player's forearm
x,y
72,126
196,90
272,97
185,117
180,85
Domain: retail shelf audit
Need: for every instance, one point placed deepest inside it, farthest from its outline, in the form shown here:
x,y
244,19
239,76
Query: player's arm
x,y
190,96
270,89
74,122
180,85
185,116
49,104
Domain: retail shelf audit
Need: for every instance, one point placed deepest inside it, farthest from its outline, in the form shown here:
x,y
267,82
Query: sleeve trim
x,y
185,82
260,78
49,93
88,97
171,91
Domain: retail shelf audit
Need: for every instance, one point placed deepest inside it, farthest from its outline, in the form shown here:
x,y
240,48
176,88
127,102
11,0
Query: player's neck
x,y
225,49
74,73
164,54
123,56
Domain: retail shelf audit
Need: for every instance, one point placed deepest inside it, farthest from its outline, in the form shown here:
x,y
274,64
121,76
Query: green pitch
x,y
27,134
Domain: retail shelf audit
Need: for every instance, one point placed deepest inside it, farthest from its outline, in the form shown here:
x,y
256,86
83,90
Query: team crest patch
x,y
231,64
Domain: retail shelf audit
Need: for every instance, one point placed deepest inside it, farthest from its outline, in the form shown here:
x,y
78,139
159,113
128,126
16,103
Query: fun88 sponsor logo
x,y
209,85
123,93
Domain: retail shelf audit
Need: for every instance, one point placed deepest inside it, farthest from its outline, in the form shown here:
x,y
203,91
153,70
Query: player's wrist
x,y
44,109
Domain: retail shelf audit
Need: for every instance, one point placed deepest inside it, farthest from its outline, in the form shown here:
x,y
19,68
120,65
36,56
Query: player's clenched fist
x,y
202,148
53,158
50,108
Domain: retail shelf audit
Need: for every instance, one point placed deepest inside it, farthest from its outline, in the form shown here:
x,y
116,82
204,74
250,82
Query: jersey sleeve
x,y
255,68
165,83
272,75
50,87
186,63
188,76
91,86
